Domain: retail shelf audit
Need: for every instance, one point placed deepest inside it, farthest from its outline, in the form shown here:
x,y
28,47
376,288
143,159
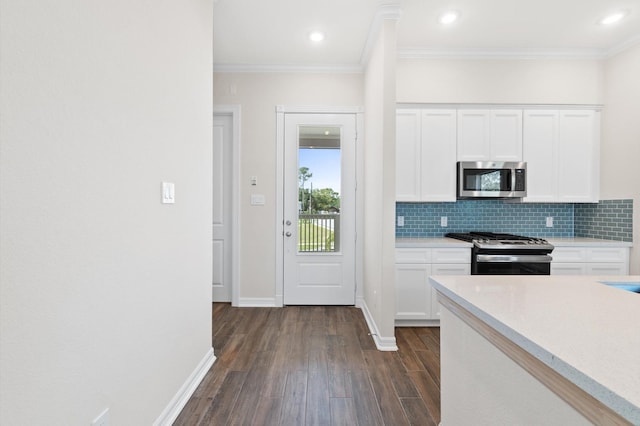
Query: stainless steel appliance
x,y
507,254
490,179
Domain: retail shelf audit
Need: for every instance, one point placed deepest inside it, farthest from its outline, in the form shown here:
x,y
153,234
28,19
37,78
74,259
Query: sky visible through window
x,y
324,164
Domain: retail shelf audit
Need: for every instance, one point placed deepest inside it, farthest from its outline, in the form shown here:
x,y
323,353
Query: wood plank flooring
x,y
314,365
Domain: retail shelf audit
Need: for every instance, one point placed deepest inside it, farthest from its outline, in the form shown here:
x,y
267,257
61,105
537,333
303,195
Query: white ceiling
x,y
274,33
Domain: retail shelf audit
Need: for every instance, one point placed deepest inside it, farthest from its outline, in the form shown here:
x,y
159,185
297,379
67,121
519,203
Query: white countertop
x,y
586,331
557,242
587,242
431,243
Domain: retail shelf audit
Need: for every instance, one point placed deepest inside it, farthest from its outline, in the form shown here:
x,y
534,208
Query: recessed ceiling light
x,y
613,18
448,18
316,36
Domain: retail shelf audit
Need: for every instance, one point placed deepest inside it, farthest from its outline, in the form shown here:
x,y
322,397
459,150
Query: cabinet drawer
x,y
413,255
568,268
451,269
451,255
607,269
569,254
607,254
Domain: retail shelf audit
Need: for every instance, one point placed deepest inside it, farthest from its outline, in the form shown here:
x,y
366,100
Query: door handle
x,y
288,234
288,223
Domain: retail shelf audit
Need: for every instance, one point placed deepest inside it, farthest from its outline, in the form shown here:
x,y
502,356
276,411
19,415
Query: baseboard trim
x,y
417,323
257,302
175,406
382,343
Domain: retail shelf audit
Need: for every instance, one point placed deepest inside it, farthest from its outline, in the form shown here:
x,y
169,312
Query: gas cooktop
x,y
499,241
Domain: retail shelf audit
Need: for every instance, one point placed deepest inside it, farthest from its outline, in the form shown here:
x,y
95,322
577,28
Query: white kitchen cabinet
x,y
579,156
416,302
561,149
408,155
413,292
540,151
590,261
425,155
447,269
489,135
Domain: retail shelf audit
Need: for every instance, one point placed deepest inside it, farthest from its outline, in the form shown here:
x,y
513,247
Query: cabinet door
x,y
474,135
413,292
506,135
408,155
438,160
540,151
578,156
447,269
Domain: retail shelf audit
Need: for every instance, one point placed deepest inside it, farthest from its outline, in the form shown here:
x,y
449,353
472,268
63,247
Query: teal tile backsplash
x,y
608,219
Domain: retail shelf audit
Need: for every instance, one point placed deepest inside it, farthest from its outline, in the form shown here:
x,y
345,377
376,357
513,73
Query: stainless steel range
x,y
507,254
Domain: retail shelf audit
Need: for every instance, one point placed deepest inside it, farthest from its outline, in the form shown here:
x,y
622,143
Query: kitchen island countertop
x,y
584,330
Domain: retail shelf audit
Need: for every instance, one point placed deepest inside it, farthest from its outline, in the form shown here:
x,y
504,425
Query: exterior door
x,y
319,209
222,207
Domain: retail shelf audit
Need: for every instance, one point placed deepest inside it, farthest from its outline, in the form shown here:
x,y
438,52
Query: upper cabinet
x,y
562,151
408,152
425,155
561,148
489,135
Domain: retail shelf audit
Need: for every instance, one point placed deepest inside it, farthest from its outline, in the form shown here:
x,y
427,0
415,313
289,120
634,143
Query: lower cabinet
x,y
416,302
590,261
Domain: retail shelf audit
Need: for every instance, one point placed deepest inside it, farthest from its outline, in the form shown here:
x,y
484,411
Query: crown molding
x,y
283,68
385,12
417,53
633,41
566,107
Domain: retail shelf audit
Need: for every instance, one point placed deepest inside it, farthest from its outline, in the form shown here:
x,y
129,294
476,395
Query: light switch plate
x,y
257,199
549,222
400,220
444,221
168,193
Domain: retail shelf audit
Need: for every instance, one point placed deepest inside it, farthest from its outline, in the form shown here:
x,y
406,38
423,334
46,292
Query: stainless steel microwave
x,y
491,179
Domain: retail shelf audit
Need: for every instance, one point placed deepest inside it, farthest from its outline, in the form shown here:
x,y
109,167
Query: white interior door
x,y
222,164
319,209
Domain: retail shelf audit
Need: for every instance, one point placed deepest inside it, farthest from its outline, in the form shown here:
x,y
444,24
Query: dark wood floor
x,y
314,366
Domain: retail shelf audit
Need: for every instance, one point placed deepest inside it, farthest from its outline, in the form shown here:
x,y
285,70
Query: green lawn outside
x,y
314,238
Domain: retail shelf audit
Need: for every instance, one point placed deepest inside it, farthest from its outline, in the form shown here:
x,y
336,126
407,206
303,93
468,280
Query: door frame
x,y
234,112
281,110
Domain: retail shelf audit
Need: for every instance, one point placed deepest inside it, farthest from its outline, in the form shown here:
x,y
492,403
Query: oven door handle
x,y
505,258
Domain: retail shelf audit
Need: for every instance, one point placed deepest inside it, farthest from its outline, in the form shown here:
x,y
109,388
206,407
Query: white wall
x,y
258,94
532,81
620,174
106,293
379,188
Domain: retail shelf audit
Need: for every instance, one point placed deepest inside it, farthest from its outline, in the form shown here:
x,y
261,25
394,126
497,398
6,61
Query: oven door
x,y
501,264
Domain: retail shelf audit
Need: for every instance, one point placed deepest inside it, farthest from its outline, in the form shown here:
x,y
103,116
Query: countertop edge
x,y
444,242
598,391
588,242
